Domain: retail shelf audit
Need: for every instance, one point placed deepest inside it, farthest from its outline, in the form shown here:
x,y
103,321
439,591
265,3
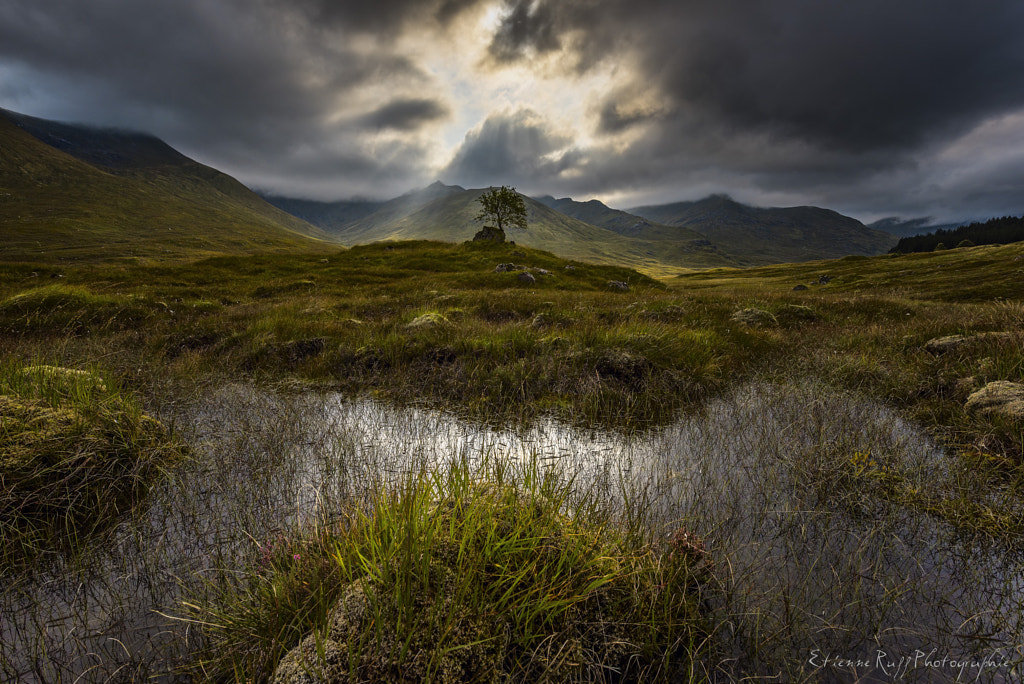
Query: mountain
x,y
765,236
599,214
77,192
448,213
329,216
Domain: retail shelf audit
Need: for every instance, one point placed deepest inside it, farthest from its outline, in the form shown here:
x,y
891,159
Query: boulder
x,y
326,659
618,286
489,234
526,278
800,288
506,268
998,399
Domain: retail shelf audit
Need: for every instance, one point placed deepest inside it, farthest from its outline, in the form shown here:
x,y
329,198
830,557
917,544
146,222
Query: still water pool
x,y
809,586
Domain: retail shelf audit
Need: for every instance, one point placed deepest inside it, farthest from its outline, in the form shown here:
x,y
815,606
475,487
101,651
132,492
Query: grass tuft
x,y
460,575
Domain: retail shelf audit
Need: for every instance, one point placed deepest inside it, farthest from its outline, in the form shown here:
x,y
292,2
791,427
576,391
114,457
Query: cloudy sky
x,y
870,107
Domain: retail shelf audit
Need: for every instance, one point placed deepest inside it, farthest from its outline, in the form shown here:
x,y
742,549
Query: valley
x,y
756,432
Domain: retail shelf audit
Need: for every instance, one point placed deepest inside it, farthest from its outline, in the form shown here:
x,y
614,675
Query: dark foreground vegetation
x,y
487,574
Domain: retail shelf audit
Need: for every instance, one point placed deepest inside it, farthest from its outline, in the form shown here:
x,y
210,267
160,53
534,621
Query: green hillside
x,y
765,236
451,217
126,196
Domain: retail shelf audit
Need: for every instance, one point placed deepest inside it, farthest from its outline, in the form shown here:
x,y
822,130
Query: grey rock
x,y
800,288
618,286
305,665
1001,398
527,278
489,234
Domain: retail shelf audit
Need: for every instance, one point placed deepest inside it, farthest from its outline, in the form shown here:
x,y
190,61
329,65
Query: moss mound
x,y
468,580
73,456
498,583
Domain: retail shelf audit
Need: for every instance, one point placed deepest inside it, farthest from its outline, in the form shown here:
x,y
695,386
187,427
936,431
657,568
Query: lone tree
x,y
503,206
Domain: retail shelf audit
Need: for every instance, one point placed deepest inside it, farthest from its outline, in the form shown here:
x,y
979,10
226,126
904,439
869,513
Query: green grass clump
x,y
71,310
457,577
74,454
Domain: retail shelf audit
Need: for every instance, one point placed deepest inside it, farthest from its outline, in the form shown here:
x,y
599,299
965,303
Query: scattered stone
x,y
543,272
325,261
618,286
518,253
755,317
800,288
527,278
944,345
506,268
824,280
489,234
570,267
427,320
1001,399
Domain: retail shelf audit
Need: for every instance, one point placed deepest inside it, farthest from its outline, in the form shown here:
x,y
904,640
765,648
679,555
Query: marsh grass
x,y
833,522
459,575
77,453
393,508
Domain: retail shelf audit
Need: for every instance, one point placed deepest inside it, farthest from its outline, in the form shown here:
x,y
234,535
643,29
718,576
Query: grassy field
x,y
600,347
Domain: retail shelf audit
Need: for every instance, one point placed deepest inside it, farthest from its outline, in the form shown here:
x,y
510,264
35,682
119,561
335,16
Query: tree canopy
x,y
503,206
997,231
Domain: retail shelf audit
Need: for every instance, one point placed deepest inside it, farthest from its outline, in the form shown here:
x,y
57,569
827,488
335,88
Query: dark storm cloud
x,y
841,74
381,15
229,81
406,115
527,26
827,101
517,148
832,90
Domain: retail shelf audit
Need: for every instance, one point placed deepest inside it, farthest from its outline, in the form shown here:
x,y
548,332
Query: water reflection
x,y
807,582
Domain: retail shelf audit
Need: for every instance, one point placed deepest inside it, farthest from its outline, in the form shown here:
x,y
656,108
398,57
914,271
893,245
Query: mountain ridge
x,y
772,235
157,205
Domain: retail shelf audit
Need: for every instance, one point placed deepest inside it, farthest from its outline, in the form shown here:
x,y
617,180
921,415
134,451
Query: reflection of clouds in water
x,y
750,473
800,572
